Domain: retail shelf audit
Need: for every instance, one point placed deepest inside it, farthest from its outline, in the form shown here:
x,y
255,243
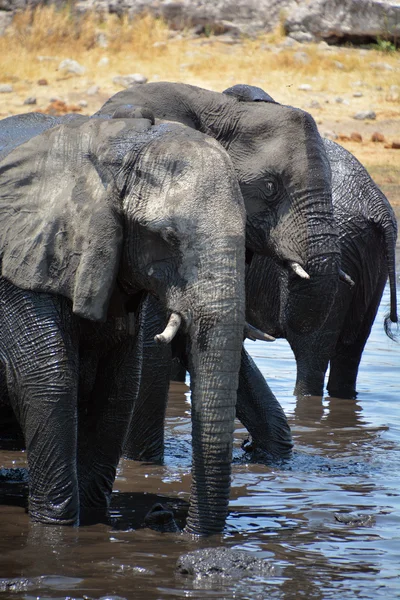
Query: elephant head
x,y
95,204
284,175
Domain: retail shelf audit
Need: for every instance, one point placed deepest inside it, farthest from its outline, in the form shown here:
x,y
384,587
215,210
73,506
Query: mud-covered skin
x,y
222,563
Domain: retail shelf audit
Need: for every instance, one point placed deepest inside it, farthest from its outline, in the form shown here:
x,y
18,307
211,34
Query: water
x,y
346,462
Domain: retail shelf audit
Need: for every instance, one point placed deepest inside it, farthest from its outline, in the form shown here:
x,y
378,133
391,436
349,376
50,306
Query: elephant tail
x,y
391,318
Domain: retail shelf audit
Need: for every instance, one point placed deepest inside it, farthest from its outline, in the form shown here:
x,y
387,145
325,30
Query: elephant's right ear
x,y
60,222
248,93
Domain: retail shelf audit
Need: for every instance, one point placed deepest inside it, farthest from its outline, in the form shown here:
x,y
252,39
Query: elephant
x,y
283,172
96,214
367,233
268,285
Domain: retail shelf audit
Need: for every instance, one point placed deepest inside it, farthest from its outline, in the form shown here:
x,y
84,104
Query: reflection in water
x,y
328,519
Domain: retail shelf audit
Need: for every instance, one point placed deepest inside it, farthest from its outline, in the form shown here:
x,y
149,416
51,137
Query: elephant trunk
x,y
309,300
215,334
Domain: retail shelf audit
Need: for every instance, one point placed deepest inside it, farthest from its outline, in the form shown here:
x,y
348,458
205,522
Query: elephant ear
x,y
248,93
60,222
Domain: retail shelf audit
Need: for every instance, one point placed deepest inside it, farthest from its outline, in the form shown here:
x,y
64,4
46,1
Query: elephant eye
x,y
270,188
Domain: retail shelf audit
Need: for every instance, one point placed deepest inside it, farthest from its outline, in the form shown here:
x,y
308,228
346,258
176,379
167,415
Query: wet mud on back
x,y
328,520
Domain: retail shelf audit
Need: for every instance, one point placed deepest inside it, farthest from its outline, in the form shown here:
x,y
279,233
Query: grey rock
x,y
338,64
127,80
302,36
69,65
365,114
355,519
314,104
358,95
339,100
305,87
5,88
222,563
5,20
30,100
382,66
335,20
82,103
93,90
331,135
103,62
301,58
46,58
101,40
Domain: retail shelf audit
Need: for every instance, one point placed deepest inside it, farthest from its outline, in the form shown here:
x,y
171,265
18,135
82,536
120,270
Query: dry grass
x,y
146,45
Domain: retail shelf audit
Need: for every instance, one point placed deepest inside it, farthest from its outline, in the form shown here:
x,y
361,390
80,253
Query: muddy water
x,y
329,520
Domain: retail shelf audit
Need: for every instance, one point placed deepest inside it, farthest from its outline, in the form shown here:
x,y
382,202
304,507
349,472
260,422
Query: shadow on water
x,y
328,519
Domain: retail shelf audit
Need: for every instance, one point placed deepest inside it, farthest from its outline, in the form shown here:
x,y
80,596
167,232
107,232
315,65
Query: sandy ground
x,y
332,111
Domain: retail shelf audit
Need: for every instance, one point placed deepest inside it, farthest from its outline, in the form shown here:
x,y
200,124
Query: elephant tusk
x,y
298,269
170,331
346,278
252,333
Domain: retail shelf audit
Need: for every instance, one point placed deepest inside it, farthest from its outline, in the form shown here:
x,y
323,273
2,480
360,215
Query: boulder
x,y
344,20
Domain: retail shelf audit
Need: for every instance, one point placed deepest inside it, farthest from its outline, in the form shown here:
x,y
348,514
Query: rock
x,y
301,58
58,107
339,100
82,103
355,519
71,66
5,20
222,563
101,40
356,137
305,87
396,145
342,137
47,58
382,66
365,114
6,88
358,95
314,104
93,90
331,135
344,20
127,80
43,82
103,62
338,64
30,100
377,137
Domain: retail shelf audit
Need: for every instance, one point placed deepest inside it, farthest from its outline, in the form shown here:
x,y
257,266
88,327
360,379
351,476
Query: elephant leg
x,y
346,358
312,353
39,346
145,440
260,412
104,417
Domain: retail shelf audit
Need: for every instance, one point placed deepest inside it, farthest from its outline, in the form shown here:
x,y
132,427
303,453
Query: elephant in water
x,y
95,213
367,233
283,171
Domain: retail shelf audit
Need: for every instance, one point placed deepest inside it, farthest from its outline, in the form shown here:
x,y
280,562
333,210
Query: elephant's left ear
x,y
248,93
60,222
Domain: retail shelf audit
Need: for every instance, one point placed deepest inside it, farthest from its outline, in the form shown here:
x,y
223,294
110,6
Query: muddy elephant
x,y
284,175
96,213
367,234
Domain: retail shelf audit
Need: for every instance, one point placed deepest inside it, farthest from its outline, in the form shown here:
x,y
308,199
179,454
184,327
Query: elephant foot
x,y
308,389
257,454
160,518
343,392
223,563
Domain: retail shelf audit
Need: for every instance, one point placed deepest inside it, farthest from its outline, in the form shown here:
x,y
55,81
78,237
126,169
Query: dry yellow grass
x,y
146,45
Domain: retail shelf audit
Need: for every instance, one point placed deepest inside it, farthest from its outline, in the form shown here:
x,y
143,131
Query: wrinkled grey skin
x,y
367,232
93,213
284,175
